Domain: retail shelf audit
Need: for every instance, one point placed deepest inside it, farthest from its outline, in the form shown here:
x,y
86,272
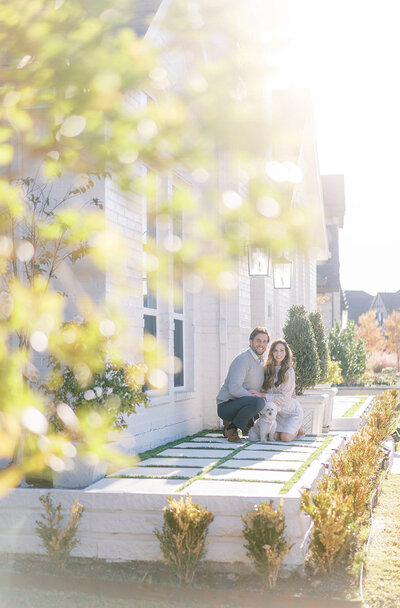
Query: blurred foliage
x,y
86,105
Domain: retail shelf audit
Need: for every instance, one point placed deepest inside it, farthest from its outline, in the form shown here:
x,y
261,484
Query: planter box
x,y
5,462
321,389
81,476
122,510
340,421
313,405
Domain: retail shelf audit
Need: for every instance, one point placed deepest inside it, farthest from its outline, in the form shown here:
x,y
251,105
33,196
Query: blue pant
x,y
240,411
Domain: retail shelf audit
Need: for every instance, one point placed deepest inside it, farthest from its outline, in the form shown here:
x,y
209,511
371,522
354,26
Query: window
x,y
178,352
149,232
177,230
150,324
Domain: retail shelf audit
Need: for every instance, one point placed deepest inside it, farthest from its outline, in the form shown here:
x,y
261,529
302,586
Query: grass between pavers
x,y
355,407
219,463
381,581
291,469
290,482
171,444
212,466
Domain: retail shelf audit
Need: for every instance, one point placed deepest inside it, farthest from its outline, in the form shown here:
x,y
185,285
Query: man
x,y
235,404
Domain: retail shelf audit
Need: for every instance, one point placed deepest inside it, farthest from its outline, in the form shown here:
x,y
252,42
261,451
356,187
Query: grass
x,y
290,482
156,451
355,407
218,462
381,581
210,467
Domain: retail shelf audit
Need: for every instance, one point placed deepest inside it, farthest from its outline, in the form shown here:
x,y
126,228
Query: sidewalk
x,y
395,468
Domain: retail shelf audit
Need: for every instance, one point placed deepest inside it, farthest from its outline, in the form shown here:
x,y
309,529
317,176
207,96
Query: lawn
x,y
381,581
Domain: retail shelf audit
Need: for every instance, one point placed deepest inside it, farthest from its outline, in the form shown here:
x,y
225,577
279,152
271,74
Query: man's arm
x,y
237,375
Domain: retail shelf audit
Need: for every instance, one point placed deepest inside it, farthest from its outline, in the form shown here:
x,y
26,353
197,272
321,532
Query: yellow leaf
x,y
9,479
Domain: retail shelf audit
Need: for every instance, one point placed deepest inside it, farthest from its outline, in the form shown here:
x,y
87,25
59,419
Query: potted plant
x,y
324,386
115,392
298,333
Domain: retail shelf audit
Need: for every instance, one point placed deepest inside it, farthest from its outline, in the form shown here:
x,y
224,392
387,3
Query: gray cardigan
x,y
244,373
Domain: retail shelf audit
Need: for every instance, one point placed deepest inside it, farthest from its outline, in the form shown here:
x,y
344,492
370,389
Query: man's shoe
x,y
249,425
224,430
232,435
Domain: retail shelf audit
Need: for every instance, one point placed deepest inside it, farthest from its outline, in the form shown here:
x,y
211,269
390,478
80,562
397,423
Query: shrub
x,y
334,372
331,512
382,420
299,335
340,503
183,536
377,362
264,531
116,389
349,351
58,541
322,344
355,471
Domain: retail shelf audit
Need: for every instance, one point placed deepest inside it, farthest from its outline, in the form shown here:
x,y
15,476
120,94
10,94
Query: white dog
x,y
264,428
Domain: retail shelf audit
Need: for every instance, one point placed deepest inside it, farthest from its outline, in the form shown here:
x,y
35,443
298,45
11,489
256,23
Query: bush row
x,y
340,504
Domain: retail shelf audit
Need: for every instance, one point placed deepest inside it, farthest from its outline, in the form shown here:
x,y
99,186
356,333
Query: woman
x,y
279,387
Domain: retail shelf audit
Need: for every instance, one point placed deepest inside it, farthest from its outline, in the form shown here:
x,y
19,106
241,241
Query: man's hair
x,y
259,330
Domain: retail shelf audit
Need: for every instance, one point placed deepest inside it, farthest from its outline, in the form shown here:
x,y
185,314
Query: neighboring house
x,y
384,304
358,302
331,301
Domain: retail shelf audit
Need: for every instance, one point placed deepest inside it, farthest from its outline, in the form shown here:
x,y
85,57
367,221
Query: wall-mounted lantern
x,y
259,262
282,273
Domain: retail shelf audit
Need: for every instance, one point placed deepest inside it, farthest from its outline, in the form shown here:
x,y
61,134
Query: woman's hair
x,y
270,366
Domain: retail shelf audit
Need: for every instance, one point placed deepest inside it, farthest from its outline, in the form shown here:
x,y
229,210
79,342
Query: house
x,y
209,328
358,302
201,333
331,301
384,304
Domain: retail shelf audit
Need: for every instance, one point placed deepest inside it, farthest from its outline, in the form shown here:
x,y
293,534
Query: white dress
x,y
290,416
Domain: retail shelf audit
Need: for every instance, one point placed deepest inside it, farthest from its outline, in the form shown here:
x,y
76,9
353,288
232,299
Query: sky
x,y
348,53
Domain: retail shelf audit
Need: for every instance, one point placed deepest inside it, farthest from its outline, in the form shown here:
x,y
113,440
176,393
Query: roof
x,y
334,199
294,139
143,13
391,301
328,272
358,302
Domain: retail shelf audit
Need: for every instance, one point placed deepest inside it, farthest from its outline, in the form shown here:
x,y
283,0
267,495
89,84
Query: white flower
x,y
109,390
98,390
89,395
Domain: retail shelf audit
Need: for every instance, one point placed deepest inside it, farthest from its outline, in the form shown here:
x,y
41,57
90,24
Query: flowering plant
x,y
118,389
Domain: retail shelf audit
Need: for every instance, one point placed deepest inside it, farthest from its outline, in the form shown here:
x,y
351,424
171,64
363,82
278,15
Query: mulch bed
x,y
153,583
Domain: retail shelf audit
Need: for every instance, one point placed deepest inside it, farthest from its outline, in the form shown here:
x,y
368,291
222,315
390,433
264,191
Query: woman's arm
x,y
282,395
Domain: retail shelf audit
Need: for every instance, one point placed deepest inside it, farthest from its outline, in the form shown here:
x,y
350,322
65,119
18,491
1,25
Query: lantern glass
x,y
259,262
282,272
